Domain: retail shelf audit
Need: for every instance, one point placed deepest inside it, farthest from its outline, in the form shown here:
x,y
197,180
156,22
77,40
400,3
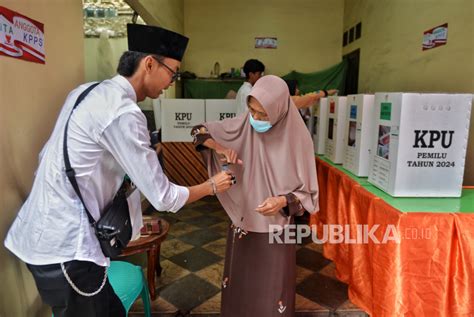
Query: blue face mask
x,y
260,126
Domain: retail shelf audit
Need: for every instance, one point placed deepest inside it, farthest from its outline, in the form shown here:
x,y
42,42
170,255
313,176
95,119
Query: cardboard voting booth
x,y
359,127
320,118
420,143
157,112
220,109
335,137
179,116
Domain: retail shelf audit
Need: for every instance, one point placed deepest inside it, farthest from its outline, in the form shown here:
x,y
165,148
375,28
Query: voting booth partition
x,y
176,117
320,117
359,132
335,137
220,109
179,116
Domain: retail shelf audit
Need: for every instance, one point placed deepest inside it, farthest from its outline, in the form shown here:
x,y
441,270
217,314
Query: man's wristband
x,y
213,184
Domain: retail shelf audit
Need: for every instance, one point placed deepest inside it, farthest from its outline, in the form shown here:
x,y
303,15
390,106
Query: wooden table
x,y
152,245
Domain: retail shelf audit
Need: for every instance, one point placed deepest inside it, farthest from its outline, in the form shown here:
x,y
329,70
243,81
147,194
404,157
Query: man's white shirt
x,y
242,96
107,138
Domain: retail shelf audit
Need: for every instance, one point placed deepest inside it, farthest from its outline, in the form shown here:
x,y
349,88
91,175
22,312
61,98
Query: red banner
x,y
435,37
21,37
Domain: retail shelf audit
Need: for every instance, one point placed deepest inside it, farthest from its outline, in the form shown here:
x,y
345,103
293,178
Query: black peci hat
x,y
156,40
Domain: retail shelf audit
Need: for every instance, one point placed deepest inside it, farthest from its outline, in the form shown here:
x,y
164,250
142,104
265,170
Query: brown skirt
x,y
259,277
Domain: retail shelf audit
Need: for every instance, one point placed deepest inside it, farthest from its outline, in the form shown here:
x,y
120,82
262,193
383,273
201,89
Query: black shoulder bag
x,y
114,228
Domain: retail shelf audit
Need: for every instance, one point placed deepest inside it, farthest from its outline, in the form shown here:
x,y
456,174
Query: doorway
x,y
352,74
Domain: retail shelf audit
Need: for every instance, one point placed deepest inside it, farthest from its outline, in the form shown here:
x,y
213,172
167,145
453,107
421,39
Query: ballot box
x,y
420,143
179,116
320,117
335,137
359,127
220,109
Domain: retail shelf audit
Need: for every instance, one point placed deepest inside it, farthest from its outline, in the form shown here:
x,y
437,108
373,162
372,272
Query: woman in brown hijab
x,y
271,156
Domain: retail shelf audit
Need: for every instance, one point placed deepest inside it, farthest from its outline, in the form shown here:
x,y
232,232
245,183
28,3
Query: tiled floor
x,y
192,258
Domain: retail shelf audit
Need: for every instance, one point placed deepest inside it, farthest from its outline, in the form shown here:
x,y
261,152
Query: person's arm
x,y
202,140
307,100
229,154
127,139
199,191
310,99
287,205
216,184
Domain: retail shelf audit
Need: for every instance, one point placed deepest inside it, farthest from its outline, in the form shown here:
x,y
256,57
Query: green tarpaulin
x,y
209,88
331,78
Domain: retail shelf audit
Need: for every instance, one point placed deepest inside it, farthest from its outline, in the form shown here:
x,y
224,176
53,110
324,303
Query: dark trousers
x,y
56,292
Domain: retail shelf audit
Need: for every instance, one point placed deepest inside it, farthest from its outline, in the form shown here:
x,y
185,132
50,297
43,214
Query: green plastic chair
x,y
128,282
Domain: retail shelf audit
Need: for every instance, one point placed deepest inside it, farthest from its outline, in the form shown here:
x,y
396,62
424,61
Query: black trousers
x,y
56,292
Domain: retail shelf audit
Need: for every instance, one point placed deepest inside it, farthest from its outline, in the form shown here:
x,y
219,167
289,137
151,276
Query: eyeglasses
x,y
174,76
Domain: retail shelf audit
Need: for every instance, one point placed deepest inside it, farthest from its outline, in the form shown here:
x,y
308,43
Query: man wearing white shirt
x,y
253,70
107,138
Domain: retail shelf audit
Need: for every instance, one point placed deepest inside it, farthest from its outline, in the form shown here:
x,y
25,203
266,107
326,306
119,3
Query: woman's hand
x,y
229,155
221,182
272,205
332,92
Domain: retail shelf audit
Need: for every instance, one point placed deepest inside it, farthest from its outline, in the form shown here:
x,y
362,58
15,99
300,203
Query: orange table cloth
x,y
419,276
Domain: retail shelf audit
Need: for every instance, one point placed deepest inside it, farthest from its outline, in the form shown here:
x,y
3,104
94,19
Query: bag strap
x,y
71,174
